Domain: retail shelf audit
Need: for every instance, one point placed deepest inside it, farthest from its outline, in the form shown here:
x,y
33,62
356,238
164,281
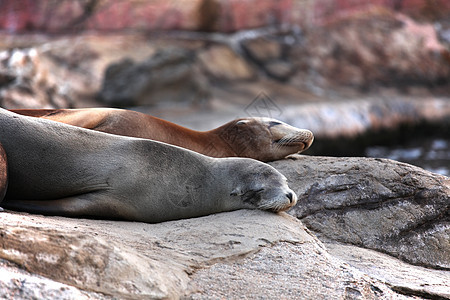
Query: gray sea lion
x,y
57,169
264,139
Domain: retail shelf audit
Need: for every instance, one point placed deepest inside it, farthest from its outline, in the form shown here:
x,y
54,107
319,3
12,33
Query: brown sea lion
x,y
264,139
57,169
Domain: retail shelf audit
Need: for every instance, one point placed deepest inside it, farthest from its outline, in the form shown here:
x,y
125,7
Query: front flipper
x,y
91,205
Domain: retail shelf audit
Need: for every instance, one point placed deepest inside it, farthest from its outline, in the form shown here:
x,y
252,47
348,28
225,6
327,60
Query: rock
x,y
400,276
18,284
268,54
353,118
222,63
279,69
287,271
154,261
166,76
370,50
136,260
26,81
110,15
263,49
379,204
218,15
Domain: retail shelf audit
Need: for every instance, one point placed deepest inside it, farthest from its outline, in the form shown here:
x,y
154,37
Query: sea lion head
x,y
264,139
261,186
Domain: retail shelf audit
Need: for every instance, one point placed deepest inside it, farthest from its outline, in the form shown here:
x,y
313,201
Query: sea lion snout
x,y
292,201
292,198
307,138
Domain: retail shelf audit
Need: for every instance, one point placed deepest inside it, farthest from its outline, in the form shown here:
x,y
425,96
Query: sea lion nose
x,y
292,198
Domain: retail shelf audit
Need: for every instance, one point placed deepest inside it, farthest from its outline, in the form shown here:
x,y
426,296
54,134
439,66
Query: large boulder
x,y
368,50
27,80
379,204
398,275
253,252
168,75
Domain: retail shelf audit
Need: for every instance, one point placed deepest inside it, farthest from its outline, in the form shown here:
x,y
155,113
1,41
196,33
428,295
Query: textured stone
x,y
369,50
208,15
26,81
166,76
400,276
19,284
353,118
263,49
137,260
222,63
287,271
380,204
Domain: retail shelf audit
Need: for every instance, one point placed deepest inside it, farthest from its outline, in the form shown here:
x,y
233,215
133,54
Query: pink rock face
x,y
63,16
112,15
209,15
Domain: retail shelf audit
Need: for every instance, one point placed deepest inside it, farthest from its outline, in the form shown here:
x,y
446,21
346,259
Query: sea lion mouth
x,y
291,143
301,140
279,208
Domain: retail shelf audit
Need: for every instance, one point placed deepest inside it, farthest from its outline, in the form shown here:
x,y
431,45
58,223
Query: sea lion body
x,y
56,169
264,139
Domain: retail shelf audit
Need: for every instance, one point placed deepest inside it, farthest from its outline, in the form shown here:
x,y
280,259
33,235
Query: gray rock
x,y
26,81
220,63
279,69
353,118
270,254
19,284
287,271
374,203
364,52
263,49
168,75
400,276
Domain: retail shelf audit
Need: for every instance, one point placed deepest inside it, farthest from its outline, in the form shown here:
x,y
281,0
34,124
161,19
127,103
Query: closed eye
x,y
274,123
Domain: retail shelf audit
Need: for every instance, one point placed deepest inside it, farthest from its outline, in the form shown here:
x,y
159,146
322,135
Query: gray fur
x,y
58,169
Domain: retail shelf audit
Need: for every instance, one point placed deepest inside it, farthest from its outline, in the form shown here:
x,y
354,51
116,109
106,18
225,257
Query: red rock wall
x,y
209,15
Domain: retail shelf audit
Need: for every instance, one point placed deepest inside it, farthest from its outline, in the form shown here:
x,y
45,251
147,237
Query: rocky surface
x,y
365,51
254,253
168,74
205,15
353,118
374,203
140,260
380,204
16,283
398,275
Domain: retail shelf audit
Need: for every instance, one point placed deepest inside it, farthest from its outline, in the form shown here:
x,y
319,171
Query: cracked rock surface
x,y
250,254
379,204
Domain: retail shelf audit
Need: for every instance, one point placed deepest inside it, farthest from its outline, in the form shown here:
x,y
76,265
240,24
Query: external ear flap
x,y
236,192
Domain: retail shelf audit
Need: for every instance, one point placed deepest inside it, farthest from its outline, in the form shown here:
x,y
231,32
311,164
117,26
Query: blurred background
x,y
369,78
